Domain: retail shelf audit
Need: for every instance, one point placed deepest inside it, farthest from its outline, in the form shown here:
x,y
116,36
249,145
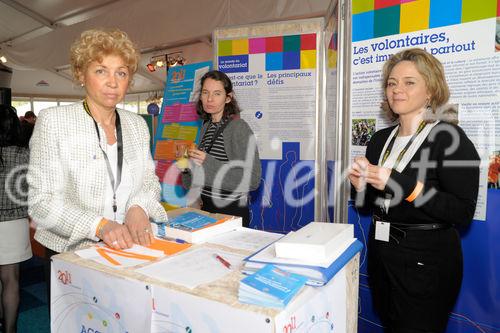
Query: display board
x,y
178,126
461,34
275,69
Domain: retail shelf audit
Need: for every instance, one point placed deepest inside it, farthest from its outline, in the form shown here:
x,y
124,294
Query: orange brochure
x,y
168,247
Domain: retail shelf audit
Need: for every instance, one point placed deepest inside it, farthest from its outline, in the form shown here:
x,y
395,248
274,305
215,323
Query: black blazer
x,y
450,178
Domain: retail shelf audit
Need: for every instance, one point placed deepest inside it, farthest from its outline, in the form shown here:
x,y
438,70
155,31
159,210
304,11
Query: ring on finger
x,y
114,243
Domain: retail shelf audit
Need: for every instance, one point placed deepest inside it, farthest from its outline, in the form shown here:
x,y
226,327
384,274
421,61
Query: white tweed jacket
x,y
67,175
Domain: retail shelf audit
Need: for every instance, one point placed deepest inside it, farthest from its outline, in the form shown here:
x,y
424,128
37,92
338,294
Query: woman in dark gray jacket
x,y
226,164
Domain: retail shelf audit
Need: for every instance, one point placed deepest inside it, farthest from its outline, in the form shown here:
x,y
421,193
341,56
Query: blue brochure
x,y
270,287
191,221
317,275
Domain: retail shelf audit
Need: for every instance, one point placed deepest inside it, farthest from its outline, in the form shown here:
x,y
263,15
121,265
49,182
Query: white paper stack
x,y
317,241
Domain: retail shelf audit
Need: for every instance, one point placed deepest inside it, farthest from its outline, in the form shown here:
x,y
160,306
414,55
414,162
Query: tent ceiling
x,y
35,35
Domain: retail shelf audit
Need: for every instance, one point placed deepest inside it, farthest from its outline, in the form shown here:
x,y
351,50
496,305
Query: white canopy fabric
x,y
159,24
35,36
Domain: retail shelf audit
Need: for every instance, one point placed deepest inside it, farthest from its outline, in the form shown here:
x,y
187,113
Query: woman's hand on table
x,y
137,223
116,235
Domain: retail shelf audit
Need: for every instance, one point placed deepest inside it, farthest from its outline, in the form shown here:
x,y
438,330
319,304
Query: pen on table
x,y
172,239
223,261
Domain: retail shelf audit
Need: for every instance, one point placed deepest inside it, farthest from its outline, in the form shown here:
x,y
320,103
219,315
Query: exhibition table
x,y
89,297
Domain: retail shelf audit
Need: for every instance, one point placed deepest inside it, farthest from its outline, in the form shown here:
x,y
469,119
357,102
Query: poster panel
x,y
463,35
274,69
178,127
274,79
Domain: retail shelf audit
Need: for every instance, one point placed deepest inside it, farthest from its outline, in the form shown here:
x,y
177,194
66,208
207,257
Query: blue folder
x,y
317,275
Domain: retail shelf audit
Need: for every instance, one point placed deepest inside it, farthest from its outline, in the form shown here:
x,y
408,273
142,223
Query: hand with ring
x,y
116,235
138,225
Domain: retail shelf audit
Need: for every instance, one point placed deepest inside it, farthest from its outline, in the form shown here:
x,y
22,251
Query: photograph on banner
x,y
497,36
472,73
275,82
494,171
361,131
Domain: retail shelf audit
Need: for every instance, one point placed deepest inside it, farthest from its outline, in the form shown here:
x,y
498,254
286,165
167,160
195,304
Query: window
x,y
39,105
67,102
137,103
22,106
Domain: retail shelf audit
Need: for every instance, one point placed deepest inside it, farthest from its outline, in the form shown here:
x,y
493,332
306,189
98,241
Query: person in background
x,y
15,244
27,125
421,179
226,165
91,176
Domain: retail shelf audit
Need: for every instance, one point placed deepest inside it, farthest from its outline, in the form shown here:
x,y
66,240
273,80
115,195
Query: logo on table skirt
x,y
88,330
64,277
292,325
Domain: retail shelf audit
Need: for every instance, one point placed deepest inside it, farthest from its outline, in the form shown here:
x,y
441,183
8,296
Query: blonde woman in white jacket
x,y
91,176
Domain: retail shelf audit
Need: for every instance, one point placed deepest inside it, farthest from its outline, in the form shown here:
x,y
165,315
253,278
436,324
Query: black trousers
x,y
236,208
415,278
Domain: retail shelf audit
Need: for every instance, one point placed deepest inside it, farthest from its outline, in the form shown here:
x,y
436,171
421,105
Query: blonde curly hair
x,y
94,44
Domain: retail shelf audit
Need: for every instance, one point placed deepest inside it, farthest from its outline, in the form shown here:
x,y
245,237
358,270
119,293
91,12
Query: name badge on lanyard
x,y
382,230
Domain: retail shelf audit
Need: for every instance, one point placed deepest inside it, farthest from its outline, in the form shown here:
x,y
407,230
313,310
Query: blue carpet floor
x,y
33,309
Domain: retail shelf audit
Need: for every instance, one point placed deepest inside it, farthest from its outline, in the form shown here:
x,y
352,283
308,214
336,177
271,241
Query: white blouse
x,y
123,191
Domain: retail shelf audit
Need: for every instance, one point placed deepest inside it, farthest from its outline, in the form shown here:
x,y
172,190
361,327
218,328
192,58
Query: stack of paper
x,y
270,287
315,242
136,255
195,226
194,267
317,251
318,274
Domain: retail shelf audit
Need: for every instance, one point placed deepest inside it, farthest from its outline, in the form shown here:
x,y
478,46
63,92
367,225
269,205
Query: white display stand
x,y
90,297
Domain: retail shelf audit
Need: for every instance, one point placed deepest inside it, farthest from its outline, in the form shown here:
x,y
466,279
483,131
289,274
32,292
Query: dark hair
x,y
230,109
10,128
29,114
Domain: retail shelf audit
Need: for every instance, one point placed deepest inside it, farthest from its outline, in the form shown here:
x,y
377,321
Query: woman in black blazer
x,y
421,179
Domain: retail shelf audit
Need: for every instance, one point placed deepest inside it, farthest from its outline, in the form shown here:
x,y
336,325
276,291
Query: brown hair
x,y
94,44
431,70
232,108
